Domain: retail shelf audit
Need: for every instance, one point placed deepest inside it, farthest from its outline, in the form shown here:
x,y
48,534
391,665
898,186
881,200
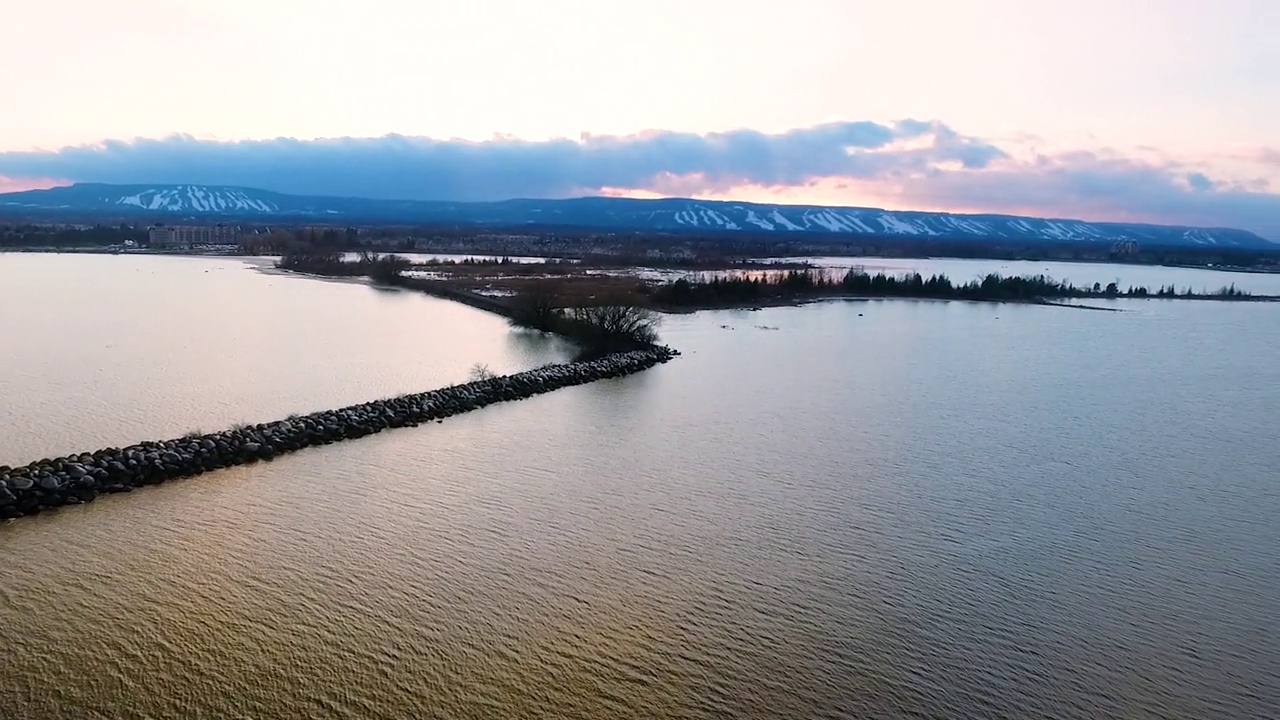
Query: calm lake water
x,y
849,509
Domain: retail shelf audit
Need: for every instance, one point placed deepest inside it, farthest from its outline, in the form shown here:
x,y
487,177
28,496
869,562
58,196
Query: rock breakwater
x,y
81,478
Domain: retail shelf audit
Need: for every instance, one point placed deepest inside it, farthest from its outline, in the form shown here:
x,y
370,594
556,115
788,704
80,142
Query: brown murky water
x,y
930,510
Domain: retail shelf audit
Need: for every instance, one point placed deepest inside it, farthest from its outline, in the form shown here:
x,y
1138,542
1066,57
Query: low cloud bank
x,y
906,164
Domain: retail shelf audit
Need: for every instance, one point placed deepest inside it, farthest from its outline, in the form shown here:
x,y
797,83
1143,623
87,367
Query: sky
x,y
1145,110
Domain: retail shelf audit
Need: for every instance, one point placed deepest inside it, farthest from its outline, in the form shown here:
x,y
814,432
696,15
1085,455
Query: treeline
x,y
298,240
386,269
800,284
600,330
70,236
472,262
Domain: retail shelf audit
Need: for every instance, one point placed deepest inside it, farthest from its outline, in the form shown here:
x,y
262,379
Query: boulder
x,y
80,478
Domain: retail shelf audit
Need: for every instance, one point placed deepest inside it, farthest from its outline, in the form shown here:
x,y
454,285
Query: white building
x,y
185,236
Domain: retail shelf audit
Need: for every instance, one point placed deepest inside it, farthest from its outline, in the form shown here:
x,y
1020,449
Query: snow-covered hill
x,y
196,198
197,202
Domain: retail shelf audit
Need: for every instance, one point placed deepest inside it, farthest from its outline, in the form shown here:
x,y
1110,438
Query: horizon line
x,y
662,198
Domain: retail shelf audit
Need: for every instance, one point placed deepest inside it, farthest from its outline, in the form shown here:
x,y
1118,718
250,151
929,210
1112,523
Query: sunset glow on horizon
x,y
1093,109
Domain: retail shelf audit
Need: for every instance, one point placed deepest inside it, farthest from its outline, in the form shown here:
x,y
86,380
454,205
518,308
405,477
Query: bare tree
x,y
481,371
536,310
616,324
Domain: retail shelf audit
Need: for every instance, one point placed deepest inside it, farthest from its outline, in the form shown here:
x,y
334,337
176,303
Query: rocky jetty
x,y
75,479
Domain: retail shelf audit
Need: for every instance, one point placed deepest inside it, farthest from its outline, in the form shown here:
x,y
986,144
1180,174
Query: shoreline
x,y
188,253
1047,302
799,302
83,477
443,290
462,297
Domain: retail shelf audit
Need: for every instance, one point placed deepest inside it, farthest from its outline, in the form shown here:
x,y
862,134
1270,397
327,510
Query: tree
x,y
615,326
537,311
481,371
387,269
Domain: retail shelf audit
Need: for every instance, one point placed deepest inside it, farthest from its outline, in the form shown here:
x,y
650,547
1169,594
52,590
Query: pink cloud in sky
x,y
908,164
18,184
1103,185
1268,156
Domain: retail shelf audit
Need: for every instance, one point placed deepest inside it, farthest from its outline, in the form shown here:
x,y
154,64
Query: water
x,y
108,350
869,509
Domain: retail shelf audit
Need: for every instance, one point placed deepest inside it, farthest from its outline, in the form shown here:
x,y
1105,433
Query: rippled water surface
x,y
848,509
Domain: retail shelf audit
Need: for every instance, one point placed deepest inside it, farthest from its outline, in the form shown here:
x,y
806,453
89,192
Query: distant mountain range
x,y
205,203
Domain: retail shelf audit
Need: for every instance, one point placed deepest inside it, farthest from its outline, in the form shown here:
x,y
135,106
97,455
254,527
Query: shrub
x,y
481,371
387,269
536,311
613,326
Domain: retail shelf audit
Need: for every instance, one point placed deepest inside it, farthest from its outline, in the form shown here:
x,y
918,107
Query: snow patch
x,y
758,221
721,219
195,198
974,227
1055,231
779,219
1200,237
1023,226
852,217
828,220
893,224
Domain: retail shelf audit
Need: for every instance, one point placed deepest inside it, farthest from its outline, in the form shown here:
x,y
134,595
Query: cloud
x,y
1094,186
396,166
14,184
1268,156
1200,182
909,164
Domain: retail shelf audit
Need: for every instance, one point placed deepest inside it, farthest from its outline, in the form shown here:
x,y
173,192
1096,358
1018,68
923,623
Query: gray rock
x,y
81,477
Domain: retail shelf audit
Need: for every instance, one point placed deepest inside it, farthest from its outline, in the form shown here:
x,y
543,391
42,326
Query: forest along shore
x,y
511,289
804,285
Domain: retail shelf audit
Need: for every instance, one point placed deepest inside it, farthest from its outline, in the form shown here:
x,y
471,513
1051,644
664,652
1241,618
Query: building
x,y
1125,247
185,236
